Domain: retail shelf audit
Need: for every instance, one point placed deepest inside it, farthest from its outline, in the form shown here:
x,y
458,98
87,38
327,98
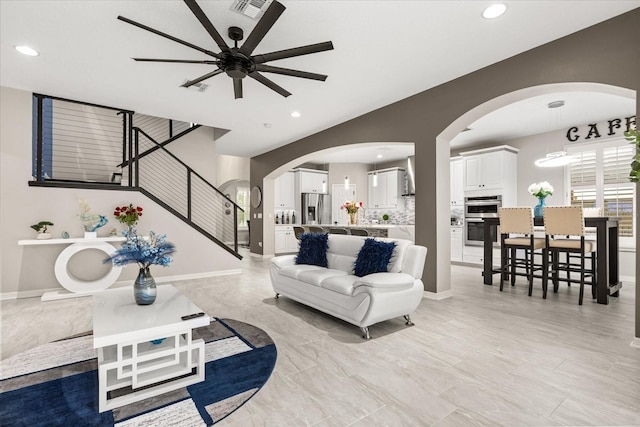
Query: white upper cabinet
x,y
490,169
456,182
284,191
389,189
312,181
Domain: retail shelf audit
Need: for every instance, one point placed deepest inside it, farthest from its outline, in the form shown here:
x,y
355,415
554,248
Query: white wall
x,y
197,150
357,173
28,269
231,167
531,149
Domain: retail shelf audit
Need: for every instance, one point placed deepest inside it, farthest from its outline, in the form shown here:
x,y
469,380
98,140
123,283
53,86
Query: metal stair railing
x,y
181,190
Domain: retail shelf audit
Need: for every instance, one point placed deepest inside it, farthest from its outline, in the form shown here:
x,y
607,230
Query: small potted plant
x,y
385,218
41,228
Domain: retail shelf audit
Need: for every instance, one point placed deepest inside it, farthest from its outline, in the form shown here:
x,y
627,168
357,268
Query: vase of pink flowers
x,y
352,208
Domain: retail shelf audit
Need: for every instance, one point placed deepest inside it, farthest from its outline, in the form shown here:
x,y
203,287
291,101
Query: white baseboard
x,y
437,296
630,280
636,342
61,293
261,255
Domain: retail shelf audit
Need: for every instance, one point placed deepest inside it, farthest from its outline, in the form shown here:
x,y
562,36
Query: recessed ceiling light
x,y
26,50
494,11
295,114
555,104
379,156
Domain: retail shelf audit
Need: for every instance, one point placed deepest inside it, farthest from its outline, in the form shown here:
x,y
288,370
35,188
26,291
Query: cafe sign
x,y
601,130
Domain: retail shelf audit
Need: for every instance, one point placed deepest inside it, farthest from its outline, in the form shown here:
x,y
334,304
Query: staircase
x,y
76,145
167,180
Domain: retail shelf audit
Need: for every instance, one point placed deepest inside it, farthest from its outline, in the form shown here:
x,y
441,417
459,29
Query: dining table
x,y
607,249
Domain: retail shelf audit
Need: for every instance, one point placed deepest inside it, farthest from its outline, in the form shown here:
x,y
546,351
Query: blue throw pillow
x,y
313,249
374,257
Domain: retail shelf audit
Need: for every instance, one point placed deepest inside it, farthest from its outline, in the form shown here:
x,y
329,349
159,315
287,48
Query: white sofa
x,y
362,301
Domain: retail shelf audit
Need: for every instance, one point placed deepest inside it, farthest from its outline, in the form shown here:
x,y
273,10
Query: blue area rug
x,y
57,384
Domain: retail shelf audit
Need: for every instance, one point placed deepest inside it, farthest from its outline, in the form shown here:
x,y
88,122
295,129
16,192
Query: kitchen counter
x,y
394,231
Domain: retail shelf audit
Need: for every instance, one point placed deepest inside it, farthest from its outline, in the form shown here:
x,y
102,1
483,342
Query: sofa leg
x,y
408,319
365,332
277,295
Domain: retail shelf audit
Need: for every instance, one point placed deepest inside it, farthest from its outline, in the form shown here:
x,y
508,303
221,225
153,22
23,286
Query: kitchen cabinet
x,y
312,181
457,243
490,169
389,189
456,182
285,240
284,191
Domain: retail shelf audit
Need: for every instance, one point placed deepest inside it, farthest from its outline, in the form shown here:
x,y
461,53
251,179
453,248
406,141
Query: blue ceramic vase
x,y
538,210
144,288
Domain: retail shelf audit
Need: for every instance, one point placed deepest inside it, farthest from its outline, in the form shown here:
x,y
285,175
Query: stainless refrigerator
x,y
316,208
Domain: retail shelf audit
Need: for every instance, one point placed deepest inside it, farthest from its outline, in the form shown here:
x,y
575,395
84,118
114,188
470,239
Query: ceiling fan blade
x,y
167,36
290,53
201,78
180,61
289,72
237,88
262,27
206,23
268,83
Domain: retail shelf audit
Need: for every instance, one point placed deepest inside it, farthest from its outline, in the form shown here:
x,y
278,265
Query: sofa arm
x,y
283,261
386,281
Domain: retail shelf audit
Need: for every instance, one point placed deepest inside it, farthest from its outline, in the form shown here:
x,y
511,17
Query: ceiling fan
x,y
238,62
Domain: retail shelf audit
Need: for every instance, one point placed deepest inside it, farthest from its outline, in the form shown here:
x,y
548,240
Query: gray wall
x,y
606,53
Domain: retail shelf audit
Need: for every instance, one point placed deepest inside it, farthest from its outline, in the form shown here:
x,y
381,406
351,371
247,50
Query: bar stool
x,y
518,221
315,229
337,230
297,231
568,221
359,232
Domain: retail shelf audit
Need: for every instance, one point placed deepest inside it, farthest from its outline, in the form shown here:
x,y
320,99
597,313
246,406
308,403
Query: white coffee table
x,y
128,360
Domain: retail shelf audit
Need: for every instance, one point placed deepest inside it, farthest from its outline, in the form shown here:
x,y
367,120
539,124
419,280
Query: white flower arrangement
x,y
540,189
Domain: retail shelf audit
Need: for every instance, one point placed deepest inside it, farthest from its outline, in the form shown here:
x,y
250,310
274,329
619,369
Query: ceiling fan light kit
x,y
238,62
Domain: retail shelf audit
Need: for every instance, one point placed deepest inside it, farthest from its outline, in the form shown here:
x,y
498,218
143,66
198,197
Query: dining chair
x,y
517,233
568,221
297,230
358,232
315,229
338,230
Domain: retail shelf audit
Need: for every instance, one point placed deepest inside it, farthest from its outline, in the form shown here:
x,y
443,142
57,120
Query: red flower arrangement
x,y
128,214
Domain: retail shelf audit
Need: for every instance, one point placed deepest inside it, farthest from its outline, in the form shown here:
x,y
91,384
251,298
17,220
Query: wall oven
x,y
474,233
482,207
475,209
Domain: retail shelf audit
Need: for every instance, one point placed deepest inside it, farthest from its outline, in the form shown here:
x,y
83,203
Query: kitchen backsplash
x,y
404,214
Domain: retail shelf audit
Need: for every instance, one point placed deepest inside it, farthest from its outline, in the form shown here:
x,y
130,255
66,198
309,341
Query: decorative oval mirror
x,y
256,196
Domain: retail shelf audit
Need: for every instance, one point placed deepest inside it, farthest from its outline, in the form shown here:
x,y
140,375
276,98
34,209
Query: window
x,y
601,179
242,199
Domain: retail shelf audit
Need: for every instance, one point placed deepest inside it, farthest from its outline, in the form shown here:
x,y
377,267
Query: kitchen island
x,y
285,241
393,231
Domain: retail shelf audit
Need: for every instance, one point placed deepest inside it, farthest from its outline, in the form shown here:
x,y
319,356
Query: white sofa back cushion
x,y
343,252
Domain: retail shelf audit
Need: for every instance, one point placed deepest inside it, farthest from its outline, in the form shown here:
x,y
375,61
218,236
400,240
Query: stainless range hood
x,y
410,187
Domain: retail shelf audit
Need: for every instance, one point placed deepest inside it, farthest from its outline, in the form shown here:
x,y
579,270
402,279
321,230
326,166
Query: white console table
x,y
130,366
75,286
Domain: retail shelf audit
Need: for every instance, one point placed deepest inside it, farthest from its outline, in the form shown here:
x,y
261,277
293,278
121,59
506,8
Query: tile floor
x,y
481,358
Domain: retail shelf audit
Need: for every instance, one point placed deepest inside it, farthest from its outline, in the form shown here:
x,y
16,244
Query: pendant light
x,y
346,182
556,158
324,180
375,175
